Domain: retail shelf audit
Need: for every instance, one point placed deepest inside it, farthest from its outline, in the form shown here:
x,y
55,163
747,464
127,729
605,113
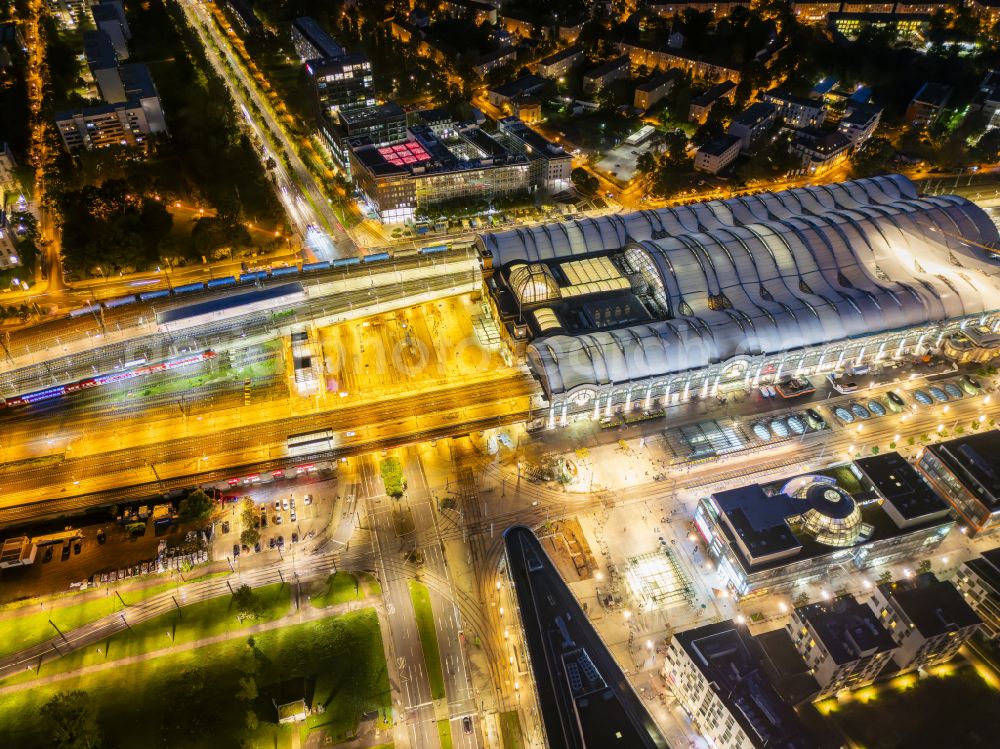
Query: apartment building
x,y
928,618
796,111
311,41
842,642
752,123
978,580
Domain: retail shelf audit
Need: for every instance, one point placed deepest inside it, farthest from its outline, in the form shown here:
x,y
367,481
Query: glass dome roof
x,y
829,513
533,284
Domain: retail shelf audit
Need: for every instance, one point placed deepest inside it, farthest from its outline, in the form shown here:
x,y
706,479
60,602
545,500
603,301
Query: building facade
x,y
717,154
842,642
311,41
651,92
964,471
978,580
797,111
611,71
752,123
715,673
928,618
560,63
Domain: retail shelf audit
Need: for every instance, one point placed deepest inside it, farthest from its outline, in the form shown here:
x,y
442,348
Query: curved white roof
x,y
771,272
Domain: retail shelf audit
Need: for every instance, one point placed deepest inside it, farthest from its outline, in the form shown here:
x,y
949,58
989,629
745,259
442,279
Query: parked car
x,y
225,526
295,538
308,499
77,546
467,724
270,543
65,551
47,557
281,541
101,536
236,550
293,516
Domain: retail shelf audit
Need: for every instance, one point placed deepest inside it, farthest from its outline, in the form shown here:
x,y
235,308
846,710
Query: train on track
x,y
139,369
250,278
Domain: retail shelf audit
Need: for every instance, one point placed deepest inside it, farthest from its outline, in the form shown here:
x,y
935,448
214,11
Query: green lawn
x,y
194,622
972,708
189,699
340,587
510,728
444,733
421,598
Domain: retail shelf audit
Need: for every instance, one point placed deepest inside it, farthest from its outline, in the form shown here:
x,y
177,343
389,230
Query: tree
x,y
248,689
585,182
885,578
924,566
249,537
392,477
248,605
72,720
874,157
195,507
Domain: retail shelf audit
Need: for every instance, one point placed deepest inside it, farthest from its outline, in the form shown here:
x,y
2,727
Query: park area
x,y
222,693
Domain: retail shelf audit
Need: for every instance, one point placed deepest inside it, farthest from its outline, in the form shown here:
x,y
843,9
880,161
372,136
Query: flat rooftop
x,y
849,630
987,567
585,699
934,606
229,301
900,483
561,55
730,662
975,461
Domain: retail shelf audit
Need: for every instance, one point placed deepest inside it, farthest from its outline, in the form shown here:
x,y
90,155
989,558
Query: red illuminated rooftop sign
x,y
407,153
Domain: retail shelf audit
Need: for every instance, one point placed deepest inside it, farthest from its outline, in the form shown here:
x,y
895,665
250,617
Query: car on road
x,y
256,547
284,504
101,536
263,520
308,499
281,541
295,538
277,504
225,526
270,543
236,550
293,516
277,519
467,724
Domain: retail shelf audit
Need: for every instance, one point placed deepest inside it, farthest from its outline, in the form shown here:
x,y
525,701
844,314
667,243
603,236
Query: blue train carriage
x,y
217,283
189,287
157,294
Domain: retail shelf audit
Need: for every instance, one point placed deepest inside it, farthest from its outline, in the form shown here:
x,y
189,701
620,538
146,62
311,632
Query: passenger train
x,y
106,379
249,278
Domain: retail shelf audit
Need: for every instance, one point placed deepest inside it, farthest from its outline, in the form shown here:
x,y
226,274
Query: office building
x,y
770,538
752,123
859,122
551,166
928,104
820,150
342,84
382,124
400,180
928,618
966,471
842,642
702,104
611,71
796,111
311,41
560,63
110,18
649,93
715,672
907,26
978,580
717,154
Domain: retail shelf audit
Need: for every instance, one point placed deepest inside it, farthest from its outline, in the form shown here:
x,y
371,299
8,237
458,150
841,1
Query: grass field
x,y
510,728
190,699
444,733
421,598
194,622
340,587
972,708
